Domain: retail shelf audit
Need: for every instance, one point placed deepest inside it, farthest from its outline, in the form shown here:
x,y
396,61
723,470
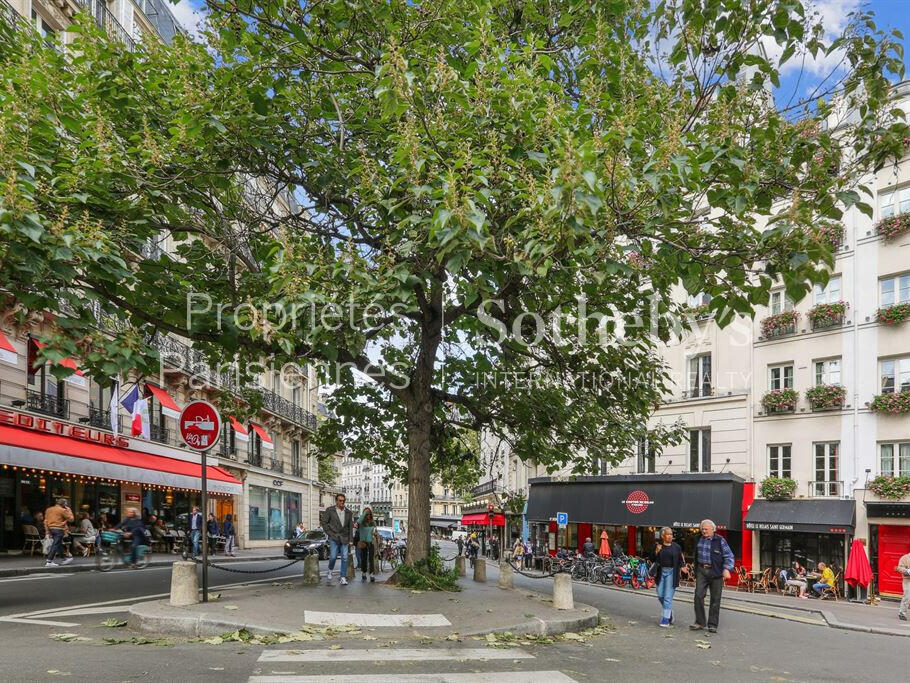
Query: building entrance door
x,y
893,542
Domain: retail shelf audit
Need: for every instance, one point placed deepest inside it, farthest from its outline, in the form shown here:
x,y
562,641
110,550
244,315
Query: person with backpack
x,y
230,535
367,542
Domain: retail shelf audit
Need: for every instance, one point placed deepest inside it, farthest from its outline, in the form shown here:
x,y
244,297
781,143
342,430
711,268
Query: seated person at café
x,y
86,537
825,580
797,579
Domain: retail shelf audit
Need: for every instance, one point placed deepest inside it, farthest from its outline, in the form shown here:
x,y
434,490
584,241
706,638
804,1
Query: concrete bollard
x,y
506,576
184,584
311,570
351,571
562,591
480,569
459,565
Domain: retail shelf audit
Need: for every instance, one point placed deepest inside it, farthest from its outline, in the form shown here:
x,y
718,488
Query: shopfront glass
x,y
258,503
782,549
273,513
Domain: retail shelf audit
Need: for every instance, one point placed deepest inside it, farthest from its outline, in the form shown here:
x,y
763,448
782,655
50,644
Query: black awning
x,y
679,501
883,509
813,516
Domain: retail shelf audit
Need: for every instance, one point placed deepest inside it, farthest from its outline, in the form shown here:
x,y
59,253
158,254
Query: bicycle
x,y
387,556
111,553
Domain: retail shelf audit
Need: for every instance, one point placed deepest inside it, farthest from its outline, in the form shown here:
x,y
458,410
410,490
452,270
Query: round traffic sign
x,y
200,425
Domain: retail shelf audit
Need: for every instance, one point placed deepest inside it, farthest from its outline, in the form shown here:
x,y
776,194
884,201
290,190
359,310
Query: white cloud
x,y
189,17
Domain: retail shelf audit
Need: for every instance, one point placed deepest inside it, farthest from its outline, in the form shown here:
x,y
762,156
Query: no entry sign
x,y
200,425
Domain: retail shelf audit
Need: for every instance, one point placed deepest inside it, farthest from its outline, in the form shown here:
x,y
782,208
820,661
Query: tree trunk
x,y
420,421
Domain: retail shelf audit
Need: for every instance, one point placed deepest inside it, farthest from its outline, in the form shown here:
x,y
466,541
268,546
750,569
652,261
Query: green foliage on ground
x,y
429,574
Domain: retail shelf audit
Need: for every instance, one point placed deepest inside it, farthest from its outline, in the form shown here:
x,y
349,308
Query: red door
x,y
893,542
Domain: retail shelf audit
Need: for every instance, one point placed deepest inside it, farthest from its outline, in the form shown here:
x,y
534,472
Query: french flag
x,y
139,409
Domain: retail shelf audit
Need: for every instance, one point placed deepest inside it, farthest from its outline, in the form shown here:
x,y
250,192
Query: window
x,y
780,377
891,454
827,371
44,29
895,374
295,457
826,456
895,202
700,375
700,450
780,302
779,460
295,396
894,290
646,460
700,299
445,509
829,294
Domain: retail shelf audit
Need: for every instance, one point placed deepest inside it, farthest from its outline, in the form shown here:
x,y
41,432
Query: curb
x,y
77,568
833,622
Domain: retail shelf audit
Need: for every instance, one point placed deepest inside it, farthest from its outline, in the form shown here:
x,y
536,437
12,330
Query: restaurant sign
x,y
49,426
768,526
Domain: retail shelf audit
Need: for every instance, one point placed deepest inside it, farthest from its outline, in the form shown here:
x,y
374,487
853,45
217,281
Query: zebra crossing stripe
x,y
373,620
393,655
487,677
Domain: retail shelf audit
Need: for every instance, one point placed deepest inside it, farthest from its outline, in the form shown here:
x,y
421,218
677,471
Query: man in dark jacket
x,y
133,530
588,548
194,529
460,543
338,522
713,564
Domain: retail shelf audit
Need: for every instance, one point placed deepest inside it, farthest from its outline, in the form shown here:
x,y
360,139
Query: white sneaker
x,y
67,560
51,564
344,581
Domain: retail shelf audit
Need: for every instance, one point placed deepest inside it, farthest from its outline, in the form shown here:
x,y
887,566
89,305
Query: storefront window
x,y
291,512
276,516
783,549
258,497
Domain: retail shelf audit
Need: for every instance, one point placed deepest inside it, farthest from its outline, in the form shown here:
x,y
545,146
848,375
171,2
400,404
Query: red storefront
x,y
633,508
889,540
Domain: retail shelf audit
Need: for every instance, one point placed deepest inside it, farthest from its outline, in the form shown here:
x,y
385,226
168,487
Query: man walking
x,y
460,543
195,524
338,523
714,562
903,568
56,517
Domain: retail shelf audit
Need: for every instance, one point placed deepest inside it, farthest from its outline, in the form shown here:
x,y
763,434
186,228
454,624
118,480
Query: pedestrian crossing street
x,y
402,665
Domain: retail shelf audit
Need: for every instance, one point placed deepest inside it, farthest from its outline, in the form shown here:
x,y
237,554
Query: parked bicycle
x,y
388,557
113,550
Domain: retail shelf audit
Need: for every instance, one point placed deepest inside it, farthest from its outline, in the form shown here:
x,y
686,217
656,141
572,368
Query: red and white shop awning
x,y
483,519
168,405
264,435
77,377
30,448
7,350
240,431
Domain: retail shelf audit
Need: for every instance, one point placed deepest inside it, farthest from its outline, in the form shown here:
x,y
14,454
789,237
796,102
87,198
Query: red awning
x,y
264,435
66,362
238,427
34,449
164,399
483,519
7,350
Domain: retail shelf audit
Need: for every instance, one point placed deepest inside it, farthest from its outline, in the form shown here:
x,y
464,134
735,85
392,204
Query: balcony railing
x,y
826,489
254,459
297,470
276,465
225,451
158,433
39,402
705,391
108,22
99,418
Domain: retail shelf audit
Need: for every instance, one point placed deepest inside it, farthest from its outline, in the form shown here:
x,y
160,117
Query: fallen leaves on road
x,y
114,622
703,644
454,637
63,637
57,672
369,637
138,640
231,607
335,647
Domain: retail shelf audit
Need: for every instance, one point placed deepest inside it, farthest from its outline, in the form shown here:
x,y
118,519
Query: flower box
x,y
779,401
897,403
826,396
893,315
700,312
777,488
830,234
780,324
893,226
824,316
890,488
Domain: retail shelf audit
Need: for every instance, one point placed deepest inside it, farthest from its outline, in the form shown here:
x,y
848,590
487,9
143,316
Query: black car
x,y
310,542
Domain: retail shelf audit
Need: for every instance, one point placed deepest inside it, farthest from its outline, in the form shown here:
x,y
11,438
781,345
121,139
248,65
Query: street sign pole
x,y
205,535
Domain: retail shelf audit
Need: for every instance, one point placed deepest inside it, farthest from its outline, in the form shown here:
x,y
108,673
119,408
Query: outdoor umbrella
x,y
859,572
604,544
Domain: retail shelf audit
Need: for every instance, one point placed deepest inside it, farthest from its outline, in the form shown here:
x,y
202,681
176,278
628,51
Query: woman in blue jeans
x,y
669,558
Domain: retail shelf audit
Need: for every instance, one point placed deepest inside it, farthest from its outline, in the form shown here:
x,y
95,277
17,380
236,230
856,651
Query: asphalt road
x,y
747,648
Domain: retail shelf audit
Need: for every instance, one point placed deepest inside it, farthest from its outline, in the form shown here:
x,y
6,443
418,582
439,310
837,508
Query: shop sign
x,y
766,526
41,424
132,497
637,502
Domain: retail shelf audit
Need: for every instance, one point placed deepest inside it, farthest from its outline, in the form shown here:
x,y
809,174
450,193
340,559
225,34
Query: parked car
x,y
310,542
386,534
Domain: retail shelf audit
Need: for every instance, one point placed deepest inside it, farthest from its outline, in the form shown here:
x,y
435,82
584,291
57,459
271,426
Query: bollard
x,y
311,570
184,584
459,565
562,591
506,576
351,571
480,569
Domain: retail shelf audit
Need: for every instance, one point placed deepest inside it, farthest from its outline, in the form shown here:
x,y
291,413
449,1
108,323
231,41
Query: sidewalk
x,y
19,565
372,610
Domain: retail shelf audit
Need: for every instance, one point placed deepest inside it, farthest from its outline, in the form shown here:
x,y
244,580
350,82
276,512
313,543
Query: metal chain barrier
x,y
247,571
534,575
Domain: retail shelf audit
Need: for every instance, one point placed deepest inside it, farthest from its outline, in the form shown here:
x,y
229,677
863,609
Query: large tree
x,y
474,212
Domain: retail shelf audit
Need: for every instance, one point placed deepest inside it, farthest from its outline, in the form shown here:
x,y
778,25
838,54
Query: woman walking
x,y
367,542
669,559
230,535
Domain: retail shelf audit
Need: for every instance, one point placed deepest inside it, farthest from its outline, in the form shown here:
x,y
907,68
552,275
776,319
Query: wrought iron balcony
x,y
39,402
276,465
107,22
225,451
703,391
99,418
158,433
254,459
274,403
832,489
297,470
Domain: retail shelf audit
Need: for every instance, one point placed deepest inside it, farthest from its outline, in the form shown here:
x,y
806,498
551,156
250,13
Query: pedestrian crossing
x,y
402,665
